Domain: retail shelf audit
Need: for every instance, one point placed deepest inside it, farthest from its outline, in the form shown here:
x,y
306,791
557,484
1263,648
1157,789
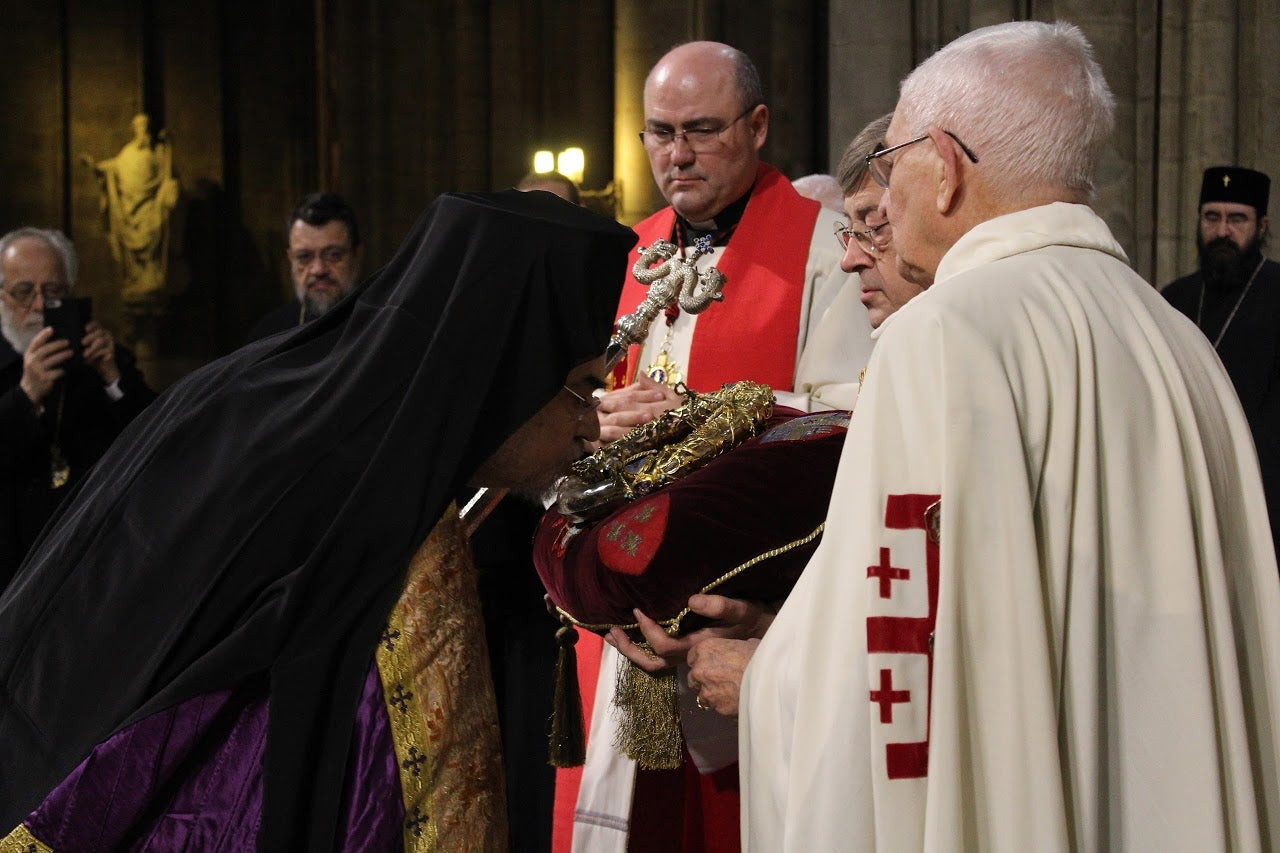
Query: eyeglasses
x,y
331,256
24,292
699,138
873,240
880,168
584,403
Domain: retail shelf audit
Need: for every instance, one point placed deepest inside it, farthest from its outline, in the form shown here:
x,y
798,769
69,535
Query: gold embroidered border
x,y
672,625
408,732
22,841
434,667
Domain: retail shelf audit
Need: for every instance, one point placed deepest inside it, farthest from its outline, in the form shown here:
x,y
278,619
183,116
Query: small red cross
x,y
887,573
886,696
899,634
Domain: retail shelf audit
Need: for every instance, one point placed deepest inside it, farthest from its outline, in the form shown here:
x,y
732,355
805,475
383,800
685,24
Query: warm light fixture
x,y
571,162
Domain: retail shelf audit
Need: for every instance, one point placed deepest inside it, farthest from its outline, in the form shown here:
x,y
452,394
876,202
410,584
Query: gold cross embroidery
x,y
1226,179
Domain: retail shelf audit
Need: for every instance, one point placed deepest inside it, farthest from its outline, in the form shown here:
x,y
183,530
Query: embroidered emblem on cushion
x,y
806,427
564,533
628,542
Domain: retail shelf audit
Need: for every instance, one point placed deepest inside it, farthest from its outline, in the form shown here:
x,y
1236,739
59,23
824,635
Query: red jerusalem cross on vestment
x,y
910,635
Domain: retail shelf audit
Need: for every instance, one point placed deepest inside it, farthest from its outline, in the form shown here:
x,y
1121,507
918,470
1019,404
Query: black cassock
x,y
257,520
1250,350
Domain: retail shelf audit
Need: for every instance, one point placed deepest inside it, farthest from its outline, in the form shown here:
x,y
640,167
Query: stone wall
x,y
390,102
1194,82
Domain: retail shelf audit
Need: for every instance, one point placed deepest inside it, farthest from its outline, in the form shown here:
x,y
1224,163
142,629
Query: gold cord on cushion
x,y
646,703
672,625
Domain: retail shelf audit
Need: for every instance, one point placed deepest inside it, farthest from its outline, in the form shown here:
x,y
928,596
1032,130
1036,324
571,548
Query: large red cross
x,y
905,634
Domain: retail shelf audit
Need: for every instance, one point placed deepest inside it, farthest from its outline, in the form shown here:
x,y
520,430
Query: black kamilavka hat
x,y
1236,184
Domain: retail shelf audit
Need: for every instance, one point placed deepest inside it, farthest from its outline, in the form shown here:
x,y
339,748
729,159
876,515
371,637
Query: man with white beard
x,y
56,417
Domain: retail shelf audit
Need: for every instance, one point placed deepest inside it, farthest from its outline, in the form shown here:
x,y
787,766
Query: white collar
x,y
1056,224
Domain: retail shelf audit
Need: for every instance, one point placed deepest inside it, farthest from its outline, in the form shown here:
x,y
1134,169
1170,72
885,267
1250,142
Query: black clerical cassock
x,y
256,522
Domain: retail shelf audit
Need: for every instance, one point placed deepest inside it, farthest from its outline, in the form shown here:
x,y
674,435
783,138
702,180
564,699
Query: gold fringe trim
x,y
649,718
22,841
648,709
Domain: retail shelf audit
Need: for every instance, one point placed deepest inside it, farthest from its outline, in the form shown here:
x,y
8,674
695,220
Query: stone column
x,y
1194,82
1123,180
638,44
870,52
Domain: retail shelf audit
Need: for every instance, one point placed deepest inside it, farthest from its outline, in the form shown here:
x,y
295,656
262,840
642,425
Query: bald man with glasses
x,y
790,319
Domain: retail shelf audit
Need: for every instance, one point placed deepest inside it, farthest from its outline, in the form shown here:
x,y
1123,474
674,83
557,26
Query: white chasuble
x,y
1087,657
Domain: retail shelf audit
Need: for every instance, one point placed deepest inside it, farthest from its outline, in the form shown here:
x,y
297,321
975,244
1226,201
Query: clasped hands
x,y
717,655
636,404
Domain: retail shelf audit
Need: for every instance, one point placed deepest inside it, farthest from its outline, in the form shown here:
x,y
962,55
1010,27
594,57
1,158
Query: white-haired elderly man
x,y
1045,614
57,416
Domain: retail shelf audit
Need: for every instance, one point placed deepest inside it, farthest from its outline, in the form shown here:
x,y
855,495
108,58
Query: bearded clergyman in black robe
x,y
1235,300
255,624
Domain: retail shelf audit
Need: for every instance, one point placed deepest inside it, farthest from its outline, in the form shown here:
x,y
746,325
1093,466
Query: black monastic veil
x,y
257,521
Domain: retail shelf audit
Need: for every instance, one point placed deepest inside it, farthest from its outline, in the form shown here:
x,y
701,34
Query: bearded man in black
x,y
1235,300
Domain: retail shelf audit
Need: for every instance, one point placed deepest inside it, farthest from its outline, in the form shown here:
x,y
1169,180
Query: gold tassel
x,y
567,743
648,717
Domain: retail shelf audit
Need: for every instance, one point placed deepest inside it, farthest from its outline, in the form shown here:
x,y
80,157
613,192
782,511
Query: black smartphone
x,y
68,318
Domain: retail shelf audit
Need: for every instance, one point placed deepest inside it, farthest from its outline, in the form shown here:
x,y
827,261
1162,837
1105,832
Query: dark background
x,y
390,102
387,103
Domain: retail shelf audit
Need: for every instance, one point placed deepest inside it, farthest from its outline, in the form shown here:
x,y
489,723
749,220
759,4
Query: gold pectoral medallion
x,y
59,470
665,371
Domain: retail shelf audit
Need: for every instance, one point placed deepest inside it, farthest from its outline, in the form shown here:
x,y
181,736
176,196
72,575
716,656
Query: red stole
x,y
753,333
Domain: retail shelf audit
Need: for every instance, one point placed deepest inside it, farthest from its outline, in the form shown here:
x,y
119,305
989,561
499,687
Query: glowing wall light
x,y
572,163
543,162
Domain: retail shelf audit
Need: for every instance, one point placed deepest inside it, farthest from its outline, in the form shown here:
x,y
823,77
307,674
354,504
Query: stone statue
x,y
138,191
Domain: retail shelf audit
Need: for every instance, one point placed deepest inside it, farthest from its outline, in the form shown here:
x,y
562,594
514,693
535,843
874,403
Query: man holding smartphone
x,y
65,393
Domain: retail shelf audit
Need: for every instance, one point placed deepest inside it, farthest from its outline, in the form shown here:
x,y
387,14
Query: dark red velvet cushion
x,y
771,492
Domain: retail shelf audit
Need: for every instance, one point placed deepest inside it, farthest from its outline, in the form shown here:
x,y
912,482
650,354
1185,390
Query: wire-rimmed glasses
x,y
699,138
880,167
873,240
